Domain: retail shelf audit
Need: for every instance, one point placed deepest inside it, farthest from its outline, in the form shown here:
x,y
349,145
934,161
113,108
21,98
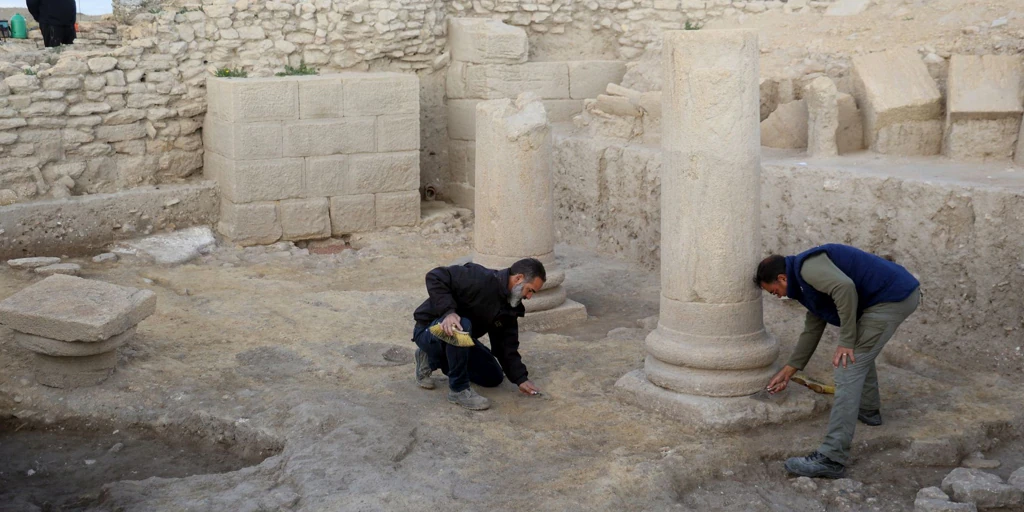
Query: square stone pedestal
x,y
719,414
74,326
569,313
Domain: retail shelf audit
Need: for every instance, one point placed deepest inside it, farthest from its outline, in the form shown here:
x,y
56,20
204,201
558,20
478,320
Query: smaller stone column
x,y
823,117
514,203
74,326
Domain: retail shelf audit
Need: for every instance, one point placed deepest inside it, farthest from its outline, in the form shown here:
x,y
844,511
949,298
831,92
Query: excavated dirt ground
x,y
303,362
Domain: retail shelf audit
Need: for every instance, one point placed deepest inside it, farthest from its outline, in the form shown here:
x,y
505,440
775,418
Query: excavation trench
x,y
64,465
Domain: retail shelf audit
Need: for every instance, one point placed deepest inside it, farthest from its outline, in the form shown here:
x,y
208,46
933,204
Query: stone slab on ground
x,y
70,308
82,224
983,489
932,499
900,101
171,248
69,269
716,414
74,372
51,347
31,263
567,314
1017,479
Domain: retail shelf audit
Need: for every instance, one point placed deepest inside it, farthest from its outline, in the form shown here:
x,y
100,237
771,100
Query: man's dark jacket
x,y
480,295
52,12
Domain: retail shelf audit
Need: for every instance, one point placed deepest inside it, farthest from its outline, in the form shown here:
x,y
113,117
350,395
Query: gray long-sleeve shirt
x,y
823,275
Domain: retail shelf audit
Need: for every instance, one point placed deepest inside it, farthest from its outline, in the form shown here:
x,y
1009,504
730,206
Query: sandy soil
x,y
306,358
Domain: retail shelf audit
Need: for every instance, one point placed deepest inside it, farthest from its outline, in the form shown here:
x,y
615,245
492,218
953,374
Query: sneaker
x,y
423,370
815,465
469,399
870,418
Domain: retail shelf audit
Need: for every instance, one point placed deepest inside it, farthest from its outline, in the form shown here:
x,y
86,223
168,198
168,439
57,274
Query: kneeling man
x,y
476,300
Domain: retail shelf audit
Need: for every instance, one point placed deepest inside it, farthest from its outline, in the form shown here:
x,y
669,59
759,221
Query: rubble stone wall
x,y
79,130
97,122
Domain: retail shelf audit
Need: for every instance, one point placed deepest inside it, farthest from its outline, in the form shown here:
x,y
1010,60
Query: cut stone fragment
x,y
74,372
900,102
932,499
1017,479
30,263
850,136
983,489
983,106
484,41
786,128
823,117
74,309
51,347
71,269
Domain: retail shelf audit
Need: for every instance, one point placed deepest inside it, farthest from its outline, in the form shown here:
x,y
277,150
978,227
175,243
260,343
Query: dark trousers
x,y
56,35
462,365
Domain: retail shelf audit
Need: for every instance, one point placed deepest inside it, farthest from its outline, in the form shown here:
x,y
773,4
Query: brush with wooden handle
x,y
457,338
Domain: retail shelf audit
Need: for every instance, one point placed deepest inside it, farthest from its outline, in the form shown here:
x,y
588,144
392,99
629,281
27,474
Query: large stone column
x,y
514,204
710,343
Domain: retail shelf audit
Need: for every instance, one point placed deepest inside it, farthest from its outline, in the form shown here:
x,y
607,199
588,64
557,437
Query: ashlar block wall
x,y
490,61
308,157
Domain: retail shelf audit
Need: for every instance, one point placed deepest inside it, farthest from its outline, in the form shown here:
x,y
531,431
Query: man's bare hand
x,y
781,379
528,388
451,323
842,357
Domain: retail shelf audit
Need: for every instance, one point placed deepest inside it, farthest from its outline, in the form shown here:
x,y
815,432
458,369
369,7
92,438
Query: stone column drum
x,y
514,204
710,340
74,326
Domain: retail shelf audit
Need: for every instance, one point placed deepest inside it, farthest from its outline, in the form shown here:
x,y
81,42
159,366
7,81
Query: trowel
x,y
762,396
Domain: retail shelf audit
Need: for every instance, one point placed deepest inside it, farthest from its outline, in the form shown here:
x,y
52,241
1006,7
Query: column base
x,y
569,313
718,414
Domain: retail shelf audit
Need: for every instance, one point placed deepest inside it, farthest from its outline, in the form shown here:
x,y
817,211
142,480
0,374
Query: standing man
x,y
867,297
479,301
56,20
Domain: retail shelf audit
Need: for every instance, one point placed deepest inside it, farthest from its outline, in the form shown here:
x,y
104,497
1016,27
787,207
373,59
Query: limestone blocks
x,y
983,106
786,127
46,266
983,489
489,61
74,326
710,347
482,41
515,204
900,102
823,117
300,158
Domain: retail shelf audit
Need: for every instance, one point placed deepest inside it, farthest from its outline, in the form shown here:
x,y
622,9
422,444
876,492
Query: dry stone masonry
x,y
300,158
74,326
489,61
515,207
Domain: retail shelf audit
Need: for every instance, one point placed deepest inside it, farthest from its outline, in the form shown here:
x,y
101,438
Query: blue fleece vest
x,y
877,280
